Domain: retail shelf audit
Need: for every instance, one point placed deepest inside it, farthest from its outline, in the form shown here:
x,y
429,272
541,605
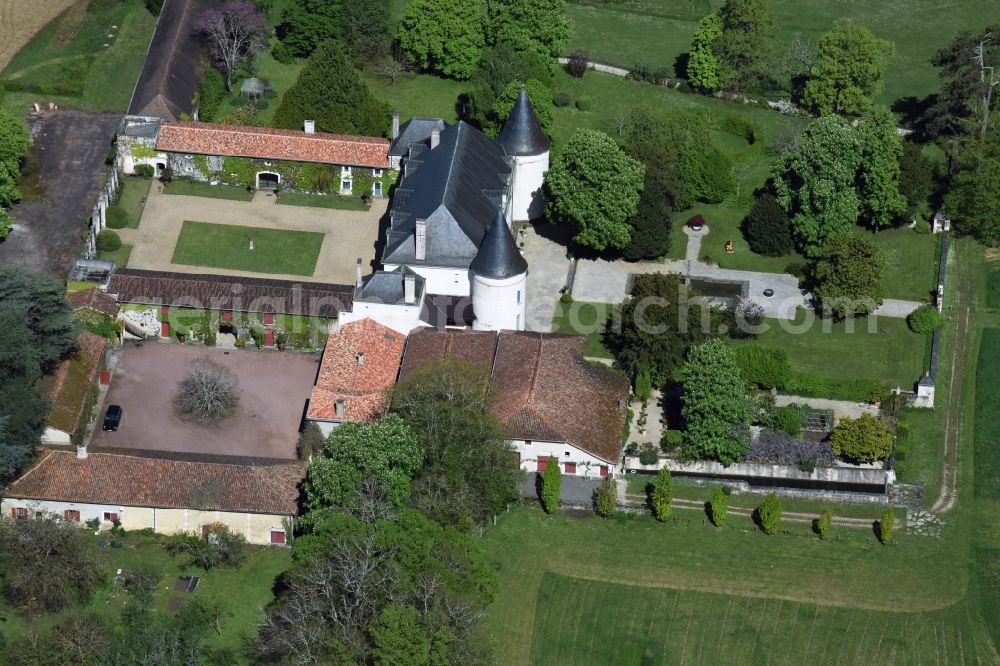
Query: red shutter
x,y
71,515
604,470
571,468
269,319
164,330
13,512
542,464
113,517
278,537
165,311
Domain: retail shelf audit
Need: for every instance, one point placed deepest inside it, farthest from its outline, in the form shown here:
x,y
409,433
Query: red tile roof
x,y
544,389
361,385
70,384
276,144
94,299
108,478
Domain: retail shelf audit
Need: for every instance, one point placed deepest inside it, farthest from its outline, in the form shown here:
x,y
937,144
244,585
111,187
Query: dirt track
x,y
21,19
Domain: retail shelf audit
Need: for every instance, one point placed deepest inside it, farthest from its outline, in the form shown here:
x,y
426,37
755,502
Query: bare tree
x,y
234,33
208,394
390,68
801,56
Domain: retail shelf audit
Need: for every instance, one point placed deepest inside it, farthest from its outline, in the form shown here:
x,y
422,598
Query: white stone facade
x,y
499,304
572,460
529,174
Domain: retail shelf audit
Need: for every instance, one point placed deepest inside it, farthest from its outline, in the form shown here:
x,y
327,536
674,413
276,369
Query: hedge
x,y
809,385
108,241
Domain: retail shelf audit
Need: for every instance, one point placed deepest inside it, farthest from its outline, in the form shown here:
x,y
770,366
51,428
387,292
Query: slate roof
x,y
415,130
120,480
498,257
169,77
522,134
544,389
457,189
360,384
69,385
276,144
95,299
388,286
221,292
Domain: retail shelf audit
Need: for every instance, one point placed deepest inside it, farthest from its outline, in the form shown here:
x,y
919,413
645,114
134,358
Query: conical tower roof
x,y
498,257
522,134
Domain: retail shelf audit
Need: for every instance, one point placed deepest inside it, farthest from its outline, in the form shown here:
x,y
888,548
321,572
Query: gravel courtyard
x,y
274,387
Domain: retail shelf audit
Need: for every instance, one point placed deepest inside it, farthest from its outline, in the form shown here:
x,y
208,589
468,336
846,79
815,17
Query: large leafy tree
x,y
444,36
13,144
540,96
716,408
816,182
848,275
499,66
234,35
594,187
745,42
964,103
848,73
973,198
330,91
864,439
362,26
529,25
917,179
704,69
386,450
882,204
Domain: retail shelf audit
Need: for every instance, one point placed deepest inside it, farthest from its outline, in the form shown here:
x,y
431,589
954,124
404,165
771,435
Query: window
x,y
542,463
518,296
110,516
377,189
604,470
566,453
571,468
71,515
377,173
527,442
278,537
345,186
517,458
19,512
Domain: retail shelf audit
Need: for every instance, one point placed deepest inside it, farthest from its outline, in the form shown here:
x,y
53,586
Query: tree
x,y
594,187
848,275
652,220
209,393
924,319
498,67
211,92
363,27
767,228
815,183
551,485
917,179
540,97
849,70
606,498
386,450
49,563
769,513
216,546
864,439
745,44
529,25
234,34
823,524
718,507
973,200
13,144
882,204
443,36
964,104
469,472
716,408
399,638
330,91
704,70
886,526
663,495
762,366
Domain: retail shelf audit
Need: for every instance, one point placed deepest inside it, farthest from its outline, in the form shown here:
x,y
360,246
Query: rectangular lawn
x,y
582,318
228,246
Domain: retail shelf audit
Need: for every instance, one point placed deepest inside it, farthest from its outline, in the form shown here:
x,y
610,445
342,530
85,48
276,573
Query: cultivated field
x,y
21,19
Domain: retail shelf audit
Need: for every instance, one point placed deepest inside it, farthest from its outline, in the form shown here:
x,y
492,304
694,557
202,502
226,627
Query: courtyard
x,y
274,387
176,234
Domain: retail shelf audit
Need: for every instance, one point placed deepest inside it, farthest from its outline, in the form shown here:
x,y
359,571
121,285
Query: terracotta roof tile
x,y
277,144
94,299
70,384
426,344
106,478
360,383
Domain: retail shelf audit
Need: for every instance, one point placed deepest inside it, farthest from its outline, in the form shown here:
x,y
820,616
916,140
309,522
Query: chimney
x,y
409,289
395,124
81,452
309,126
420,240
435,138
357,279
339,409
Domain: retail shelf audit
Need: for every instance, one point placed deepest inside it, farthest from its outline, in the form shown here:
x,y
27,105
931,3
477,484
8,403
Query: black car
x,y
112,418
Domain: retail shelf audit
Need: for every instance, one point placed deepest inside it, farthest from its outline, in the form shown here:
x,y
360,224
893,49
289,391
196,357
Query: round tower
x,y
499,275
523,139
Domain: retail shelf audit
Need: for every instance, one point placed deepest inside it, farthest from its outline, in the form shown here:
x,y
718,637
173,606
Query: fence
x,y
99,215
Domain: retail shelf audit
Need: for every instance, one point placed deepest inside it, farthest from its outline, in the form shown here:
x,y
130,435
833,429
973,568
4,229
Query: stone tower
x,y
523,139
498,277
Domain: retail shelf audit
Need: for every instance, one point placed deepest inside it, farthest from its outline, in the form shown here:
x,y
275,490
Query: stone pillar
x,y
102,206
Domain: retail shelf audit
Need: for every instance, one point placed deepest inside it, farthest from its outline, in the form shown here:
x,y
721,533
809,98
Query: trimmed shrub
x,y
719,507
924,319
663,495
117,218
562,98
566,298
647,455
787,419
551,485
886,526
762,366
108,241
583,102
769,514
810,385
671,439
606,498
577,65
823,524
864,439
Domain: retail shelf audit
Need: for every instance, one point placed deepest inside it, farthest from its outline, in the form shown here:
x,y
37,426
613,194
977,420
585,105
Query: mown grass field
x,y
228,246
987,424
19,21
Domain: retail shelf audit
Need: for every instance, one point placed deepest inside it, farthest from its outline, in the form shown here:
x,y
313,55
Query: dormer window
x,y
377,173
345,171
338,409
361,358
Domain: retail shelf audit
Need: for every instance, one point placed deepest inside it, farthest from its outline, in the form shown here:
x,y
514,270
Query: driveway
x,y
274,387
548,272
348,235
48,231
572,490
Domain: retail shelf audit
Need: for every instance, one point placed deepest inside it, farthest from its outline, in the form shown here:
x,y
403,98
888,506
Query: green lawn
x,y
227,246
583,318
70,51
281,77
724,225
987,425
892,353
242,592
912,263
119,256
133,191
993,289
420,95
322,201
195,188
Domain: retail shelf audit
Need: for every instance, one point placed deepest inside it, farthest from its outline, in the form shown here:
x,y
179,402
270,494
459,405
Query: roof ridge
x,y
534,370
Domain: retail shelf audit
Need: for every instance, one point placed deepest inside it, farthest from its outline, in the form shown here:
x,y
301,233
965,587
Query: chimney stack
x,y
81,452
357,279
435,138
409,289
395,124
420,240
309,126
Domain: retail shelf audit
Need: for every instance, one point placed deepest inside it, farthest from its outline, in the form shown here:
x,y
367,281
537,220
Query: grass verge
x,y
336,201
193,188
